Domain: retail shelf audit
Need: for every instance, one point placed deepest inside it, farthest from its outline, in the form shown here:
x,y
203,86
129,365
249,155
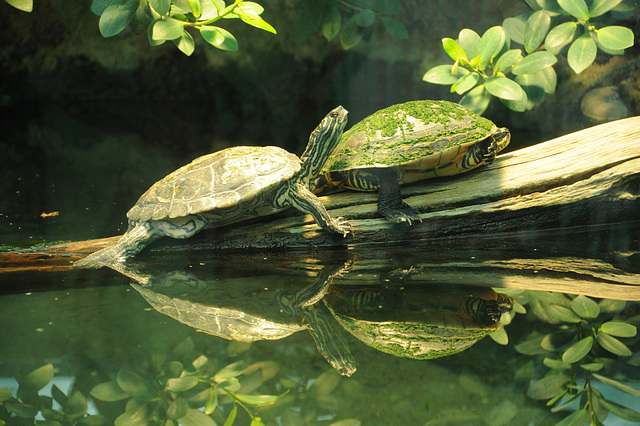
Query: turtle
x,y
246,311
406,143
229,186
418,321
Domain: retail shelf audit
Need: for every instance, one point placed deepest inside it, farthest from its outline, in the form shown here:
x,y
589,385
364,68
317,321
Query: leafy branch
x,y
482,64
583,349
171,391
348,19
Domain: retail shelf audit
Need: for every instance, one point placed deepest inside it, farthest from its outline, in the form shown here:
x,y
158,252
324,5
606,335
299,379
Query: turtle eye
x,y
334,114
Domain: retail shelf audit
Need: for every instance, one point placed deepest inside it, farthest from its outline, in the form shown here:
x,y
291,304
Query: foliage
x,y
350,19
583,348
170,19
182,387
482,64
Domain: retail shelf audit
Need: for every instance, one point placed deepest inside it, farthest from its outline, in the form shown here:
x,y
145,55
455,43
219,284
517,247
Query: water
x,y
298,317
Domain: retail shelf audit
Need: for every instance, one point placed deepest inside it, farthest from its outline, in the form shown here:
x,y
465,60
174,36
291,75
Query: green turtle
x,y
406,143
229,186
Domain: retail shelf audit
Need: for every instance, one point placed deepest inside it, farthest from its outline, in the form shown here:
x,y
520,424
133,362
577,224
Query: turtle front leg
x,y
298,196
390,204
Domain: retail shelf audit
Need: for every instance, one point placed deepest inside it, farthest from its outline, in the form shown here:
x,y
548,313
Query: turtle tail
x,y
133,241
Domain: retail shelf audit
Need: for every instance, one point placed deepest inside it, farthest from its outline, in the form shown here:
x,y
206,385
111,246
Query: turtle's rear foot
x,y
400,213
341,225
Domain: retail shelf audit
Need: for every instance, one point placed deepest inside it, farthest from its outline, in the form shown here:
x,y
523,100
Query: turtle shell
x,y
221,180
413,135
418,322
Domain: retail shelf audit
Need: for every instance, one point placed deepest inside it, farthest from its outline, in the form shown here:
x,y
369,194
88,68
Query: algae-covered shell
x,y
418,135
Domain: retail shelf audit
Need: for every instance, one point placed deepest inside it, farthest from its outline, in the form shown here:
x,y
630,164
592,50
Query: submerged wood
x,y
584,178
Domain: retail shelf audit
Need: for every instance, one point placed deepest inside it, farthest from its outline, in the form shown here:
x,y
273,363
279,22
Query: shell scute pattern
x,y
405,134
220,180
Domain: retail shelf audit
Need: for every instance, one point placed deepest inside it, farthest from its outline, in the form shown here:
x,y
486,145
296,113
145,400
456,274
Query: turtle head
x,y
502,138
322,143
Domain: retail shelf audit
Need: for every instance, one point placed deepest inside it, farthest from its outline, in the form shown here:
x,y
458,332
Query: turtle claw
x,y
401,214
341,226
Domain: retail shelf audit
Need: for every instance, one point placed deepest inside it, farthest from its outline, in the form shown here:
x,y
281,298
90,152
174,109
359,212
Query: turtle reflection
x,y
415,321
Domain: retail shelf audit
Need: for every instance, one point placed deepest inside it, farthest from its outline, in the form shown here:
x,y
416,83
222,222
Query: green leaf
x,y
161,6
59,396
132,383
506,60
232,416
600,7
618,385
232,370
560,36
577,418
548,386
477,100
109,392
395,28
258,22
612,344
515,28
5,394
38,378
592,366
533,63
468,41
615,37
182,384
24,5
167,29
331,23
504,88
576,8
556,364
76,406
578,350
466,83
550,5
185,43
99,6
21,410
441,74
585,307
536,30
310,21
178,408
582,53
257,400
364,18
620,410
500,336
196,418
212,400
619,329
93,420
350,35
116,18
453,49
195,7
490,45
220,38
137,415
